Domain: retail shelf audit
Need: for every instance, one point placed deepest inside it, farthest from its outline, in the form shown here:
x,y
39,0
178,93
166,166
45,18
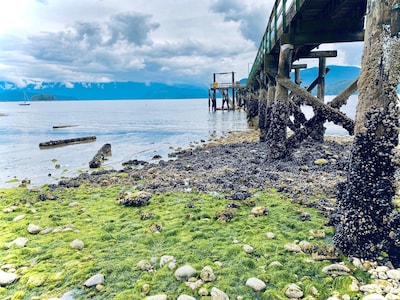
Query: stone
x,y
393,274
8,267
19,242
270,235
374,297
77,244
256,284
336,269
355,285
306,246
380,269
275,264
185,272
259,211
315,233
166,259
73,204
136,199
203,292
321,161
145,288
207,274
7,278
392,296
294,291
36,280
217,294
10,209
370,288
157,297
194,285
293,247
248,249
73,294
144,265
33,229
94,280
46,230
185,297
18,218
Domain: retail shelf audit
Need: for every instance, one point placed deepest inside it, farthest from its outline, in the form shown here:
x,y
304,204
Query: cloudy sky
x,y
171,41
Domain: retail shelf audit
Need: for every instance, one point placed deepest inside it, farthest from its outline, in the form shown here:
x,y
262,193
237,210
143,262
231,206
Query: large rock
x,y
77,244
217,294
256,284
259,211
157,297
135,199
185,272
168,259
7,278
95,280
33,229
336,269
207,274
294,291
19,242
185,297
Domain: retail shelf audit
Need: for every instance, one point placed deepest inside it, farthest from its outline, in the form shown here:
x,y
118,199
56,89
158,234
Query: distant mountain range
x,y
101,91
338,78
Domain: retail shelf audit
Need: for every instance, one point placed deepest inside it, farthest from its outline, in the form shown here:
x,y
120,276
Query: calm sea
x,y
136,129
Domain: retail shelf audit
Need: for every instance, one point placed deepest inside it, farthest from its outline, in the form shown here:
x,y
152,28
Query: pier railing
x,y
282,14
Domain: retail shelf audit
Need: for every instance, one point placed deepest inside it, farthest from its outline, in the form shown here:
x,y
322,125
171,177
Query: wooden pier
x,y
232,93
368,223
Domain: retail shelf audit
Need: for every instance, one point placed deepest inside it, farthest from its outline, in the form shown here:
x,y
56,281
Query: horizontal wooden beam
x,y
339,118
324,36
318,54
299,66
341,99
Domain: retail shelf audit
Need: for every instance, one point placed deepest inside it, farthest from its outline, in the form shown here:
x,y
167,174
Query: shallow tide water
x,y
136,129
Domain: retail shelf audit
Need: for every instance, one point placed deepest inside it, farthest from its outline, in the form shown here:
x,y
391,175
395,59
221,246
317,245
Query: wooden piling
x,y
368,224
277,132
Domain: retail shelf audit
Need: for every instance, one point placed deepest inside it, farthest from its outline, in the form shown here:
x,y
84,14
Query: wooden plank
x,y
318,54
341,99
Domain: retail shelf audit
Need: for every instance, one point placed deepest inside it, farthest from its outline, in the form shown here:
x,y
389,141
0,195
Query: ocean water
x,y
136,129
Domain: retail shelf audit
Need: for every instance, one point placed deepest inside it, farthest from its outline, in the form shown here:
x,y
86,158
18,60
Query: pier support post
x,y
262,114
368,225
319,130
277,132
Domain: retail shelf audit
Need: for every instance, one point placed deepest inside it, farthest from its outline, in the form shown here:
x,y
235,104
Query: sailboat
x,y
26,100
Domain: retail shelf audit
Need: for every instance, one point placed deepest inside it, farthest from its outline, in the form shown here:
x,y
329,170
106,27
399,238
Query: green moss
x,y
116,238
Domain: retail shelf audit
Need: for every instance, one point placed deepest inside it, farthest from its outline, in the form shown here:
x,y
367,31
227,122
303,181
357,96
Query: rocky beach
x,y
221,220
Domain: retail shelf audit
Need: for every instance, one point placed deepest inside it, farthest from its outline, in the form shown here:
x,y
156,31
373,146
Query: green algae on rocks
x,y
136,262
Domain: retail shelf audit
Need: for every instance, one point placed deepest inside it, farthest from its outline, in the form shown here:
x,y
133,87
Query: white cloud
x,y
120,40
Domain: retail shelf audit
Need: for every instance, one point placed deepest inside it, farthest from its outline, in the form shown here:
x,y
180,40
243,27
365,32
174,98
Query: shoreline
x,y
234,163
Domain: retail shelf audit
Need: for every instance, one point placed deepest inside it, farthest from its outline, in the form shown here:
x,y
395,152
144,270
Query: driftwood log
x,y
104,151
63,126
66,142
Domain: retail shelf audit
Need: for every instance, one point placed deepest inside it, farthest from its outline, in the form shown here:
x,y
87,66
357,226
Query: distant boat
x,y
26,100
